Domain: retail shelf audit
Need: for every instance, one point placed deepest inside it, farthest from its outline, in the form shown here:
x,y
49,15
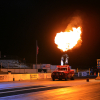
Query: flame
x,y
67,40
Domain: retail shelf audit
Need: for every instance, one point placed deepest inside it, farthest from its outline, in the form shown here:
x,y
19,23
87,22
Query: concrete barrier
x,y
12,70
26,76
4,77
31,70
4,70
21,71
19,77
17,71
48,75
41,76
16,77
10,77
33,76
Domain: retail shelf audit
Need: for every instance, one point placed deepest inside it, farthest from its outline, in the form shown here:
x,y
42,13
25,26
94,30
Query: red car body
x,y
62,72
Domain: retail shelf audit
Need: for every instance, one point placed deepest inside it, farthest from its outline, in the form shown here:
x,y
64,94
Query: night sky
x,y
24,22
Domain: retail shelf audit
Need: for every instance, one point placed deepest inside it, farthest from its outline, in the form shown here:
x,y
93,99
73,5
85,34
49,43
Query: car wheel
x,y
53,79
66,79
72,78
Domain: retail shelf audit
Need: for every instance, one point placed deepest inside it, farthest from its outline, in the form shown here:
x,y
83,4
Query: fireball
x,y
68,40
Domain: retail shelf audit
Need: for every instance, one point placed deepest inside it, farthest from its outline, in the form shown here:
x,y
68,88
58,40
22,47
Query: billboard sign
x,y
45,66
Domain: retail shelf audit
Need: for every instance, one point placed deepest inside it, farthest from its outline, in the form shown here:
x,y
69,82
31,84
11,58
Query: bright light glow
x,y
67,40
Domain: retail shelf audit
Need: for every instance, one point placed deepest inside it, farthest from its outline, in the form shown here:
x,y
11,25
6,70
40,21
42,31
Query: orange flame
x,y
67,40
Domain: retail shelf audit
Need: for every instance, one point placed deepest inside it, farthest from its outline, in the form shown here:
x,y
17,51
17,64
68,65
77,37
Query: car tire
x,y
53,79
66,79
72,78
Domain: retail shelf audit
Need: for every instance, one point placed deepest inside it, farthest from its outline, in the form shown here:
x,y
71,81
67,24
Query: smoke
x,y
75,22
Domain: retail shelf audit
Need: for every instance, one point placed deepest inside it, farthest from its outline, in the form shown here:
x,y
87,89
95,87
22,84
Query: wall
x,y
19,77
20,70
38,66
28,70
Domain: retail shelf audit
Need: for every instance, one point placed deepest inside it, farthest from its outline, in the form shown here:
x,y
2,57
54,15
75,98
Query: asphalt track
x,y
47,89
